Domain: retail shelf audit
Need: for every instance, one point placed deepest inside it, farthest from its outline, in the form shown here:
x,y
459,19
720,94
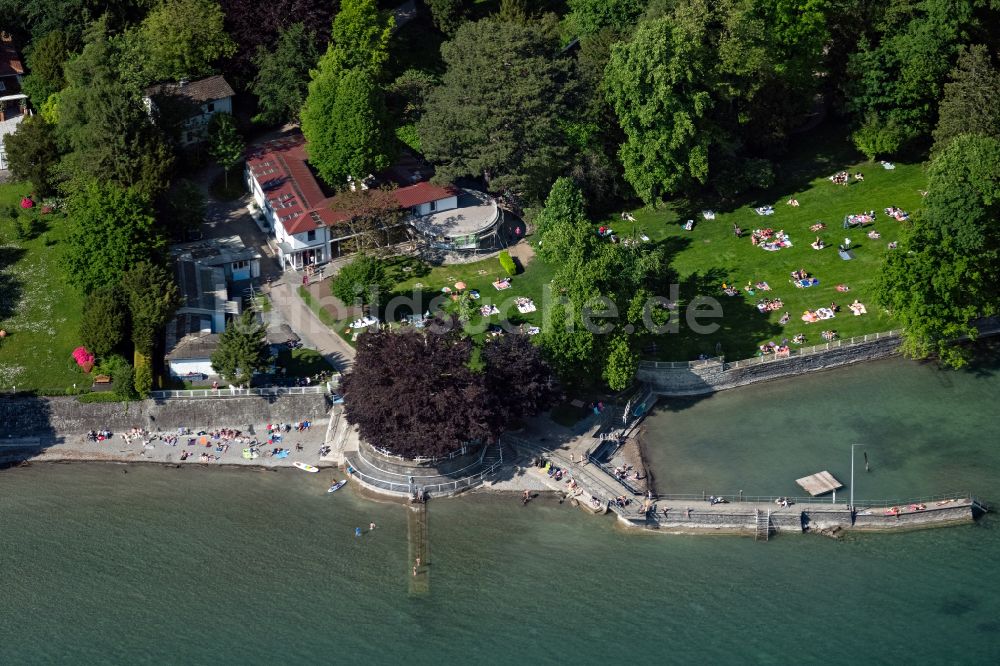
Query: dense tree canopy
x,y
153,299
242,350
590,16
895,80
945,272
45,59
519,381
103,122
282,79
254,25
113,230
971,102
495,114
362,280
103,321
183,38
415,395
344,117
33,153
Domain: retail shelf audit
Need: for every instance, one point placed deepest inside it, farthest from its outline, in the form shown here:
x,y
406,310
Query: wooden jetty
x,y
419,542
819,483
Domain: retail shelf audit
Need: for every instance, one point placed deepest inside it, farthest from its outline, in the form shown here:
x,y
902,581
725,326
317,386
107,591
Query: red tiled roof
x,y
296,197
10,59
421,193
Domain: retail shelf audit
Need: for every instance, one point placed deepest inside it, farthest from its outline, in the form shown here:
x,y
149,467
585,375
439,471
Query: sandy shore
x,y
154,449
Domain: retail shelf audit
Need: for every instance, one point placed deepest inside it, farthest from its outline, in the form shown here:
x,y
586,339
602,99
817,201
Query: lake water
x,y
215,566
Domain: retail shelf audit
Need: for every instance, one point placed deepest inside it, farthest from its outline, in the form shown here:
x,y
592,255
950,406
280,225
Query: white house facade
x,y
207,97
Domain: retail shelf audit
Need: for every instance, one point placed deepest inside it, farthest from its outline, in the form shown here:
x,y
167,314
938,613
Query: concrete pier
x,y
696,516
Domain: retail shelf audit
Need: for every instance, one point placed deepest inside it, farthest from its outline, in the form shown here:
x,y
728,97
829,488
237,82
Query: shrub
x,y
507,263
143,380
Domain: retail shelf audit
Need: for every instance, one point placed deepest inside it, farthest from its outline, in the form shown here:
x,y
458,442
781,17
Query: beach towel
x,y
708,214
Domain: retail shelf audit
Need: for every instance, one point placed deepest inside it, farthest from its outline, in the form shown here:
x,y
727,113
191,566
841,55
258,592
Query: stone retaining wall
x,y
712,377
717,376
61,416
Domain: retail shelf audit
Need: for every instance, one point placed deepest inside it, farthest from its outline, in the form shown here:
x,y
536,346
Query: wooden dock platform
x,y
819,483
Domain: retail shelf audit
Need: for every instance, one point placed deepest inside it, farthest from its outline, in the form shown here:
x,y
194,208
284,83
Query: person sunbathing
x,y
793,202
784,319
818,244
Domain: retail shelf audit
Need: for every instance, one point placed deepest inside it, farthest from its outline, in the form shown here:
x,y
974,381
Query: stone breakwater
x,y
742,517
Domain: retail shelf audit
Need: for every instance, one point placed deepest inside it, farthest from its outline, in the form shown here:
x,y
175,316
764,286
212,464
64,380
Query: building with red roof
x,y
291,204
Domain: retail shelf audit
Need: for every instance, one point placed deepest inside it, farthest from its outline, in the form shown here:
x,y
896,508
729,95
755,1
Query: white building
x,y
207,97
309,229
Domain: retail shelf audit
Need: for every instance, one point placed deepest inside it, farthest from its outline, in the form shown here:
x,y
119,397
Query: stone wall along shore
x,y
59,417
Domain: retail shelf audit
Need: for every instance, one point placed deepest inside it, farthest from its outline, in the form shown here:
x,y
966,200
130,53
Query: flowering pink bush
x,y
27,202
83,358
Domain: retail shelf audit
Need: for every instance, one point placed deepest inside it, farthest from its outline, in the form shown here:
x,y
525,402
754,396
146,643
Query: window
x,y
432,206
2,86
211,107
240,265
311,236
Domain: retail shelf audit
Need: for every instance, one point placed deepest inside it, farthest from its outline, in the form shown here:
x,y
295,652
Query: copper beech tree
x,y
415,393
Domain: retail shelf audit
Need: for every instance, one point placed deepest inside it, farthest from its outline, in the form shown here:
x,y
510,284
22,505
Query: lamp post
x,y
852,475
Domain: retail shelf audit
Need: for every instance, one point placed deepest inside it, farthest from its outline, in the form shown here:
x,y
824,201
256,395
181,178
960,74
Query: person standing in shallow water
x,y
371,526
357,531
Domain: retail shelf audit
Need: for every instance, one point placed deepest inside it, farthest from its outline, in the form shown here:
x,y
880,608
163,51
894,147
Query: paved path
x,y
314,333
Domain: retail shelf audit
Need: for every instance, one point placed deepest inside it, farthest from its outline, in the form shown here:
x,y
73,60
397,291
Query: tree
x,y
362,280
372,217
102,324
495,114
971,103
894,81
447,14
104,124
565,232
622,364
242,350
414,394
569,347
183,38
521,384
344,118
112,231
660,87
254,24
282,79
153,299
45,59
183,209
33,154
225,145
944,274
590,16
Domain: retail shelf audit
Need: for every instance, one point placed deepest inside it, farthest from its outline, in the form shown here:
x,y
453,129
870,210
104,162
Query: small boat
x,y
337,485
304,467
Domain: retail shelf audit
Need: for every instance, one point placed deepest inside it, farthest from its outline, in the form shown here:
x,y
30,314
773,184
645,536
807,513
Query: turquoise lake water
x,y
217,566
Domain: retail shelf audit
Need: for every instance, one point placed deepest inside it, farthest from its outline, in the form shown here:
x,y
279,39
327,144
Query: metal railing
x,y
715,360
771,358
444,487
420,459
843,502
813,349
410,473
326,387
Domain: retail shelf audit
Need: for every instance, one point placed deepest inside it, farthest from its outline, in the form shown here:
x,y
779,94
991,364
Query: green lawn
x,y
418,286
702,259
302,362
38,308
